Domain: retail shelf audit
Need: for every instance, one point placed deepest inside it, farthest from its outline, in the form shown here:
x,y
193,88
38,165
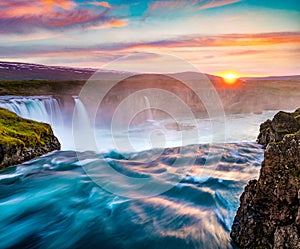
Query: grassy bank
x,y
15,130
23,139
40,87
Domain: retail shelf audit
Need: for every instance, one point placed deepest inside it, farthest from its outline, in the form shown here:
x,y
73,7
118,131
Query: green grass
x,y
40,87
16,131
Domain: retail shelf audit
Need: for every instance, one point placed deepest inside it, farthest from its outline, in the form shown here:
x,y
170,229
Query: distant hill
x,y
273,78
247,95
27,71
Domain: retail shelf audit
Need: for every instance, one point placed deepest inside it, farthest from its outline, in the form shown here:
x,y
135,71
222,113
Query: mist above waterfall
x,y
165,132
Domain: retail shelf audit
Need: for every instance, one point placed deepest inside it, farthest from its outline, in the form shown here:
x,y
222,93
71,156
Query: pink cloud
x,y
35,37
217,3
100,4
167,4
230,40
20,16
200,4
20,8
251,44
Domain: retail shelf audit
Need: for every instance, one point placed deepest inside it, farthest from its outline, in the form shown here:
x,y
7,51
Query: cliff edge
x,y
269,213
23,139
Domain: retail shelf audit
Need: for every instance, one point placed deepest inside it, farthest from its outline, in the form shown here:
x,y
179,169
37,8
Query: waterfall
x,y
44,109
149,111
39,108
83,135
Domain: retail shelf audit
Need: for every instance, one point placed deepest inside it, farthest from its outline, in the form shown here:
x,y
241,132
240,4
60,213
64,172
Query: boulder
x,y
283,123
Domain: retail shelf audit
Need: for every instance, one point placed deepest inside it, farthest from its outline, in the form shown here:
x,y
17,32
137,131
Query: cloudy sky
x,y
250,37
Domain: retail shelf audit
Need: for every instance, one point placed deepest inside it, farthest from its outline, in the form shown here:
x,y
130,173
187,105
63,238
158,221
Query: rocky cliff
x,y
23,139
269,213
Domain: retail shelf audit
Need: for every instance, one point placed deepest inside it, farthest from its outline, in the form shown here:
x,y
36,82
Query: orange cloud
x,y
258,39
64,4
102,4
117,23
230,40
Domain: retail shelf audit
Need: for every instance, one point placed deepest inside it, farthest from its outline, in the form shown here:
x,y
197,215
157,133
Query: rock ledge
x,y
269,213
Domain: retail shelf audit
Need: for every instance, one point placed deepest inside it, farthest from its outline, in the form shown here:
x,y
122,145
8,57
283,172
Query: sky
x,y
249,37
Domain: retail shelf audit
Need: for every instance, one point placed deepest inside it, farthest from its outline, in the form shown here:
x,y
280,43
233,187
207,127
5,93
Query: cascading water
x,y
39,108
82,133
44,109
149,111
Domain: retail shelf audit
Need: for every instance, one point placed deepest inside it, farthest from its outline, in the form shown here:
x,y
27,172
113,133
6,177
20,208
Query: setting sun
x,y
230,78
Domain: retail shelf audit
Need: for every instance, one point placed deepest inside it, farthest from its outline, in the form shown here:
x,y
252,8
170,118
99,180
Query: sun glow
x,y
229,77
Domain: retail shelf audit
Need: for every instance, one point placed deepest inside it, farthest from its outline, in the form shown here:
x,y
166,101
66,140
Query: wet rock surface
x,y
269,214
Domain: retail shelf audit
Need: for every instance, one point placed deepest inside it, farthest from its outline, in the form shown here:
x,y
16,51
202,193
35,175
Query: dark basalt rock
x,y
283,123
269,213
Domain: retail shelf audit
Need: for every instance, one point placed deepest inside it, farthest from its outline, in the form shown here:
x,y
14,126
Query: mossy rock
x,y
23,139
282,124
297,112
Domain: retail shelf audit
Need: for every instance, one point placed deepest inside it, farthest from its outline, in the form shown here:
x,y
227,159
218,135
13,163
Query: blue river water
x,y
54,202
51,202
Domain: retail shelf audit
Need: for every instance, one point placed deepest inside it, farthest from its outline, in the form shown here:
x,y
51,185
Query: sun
x,y
230,78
